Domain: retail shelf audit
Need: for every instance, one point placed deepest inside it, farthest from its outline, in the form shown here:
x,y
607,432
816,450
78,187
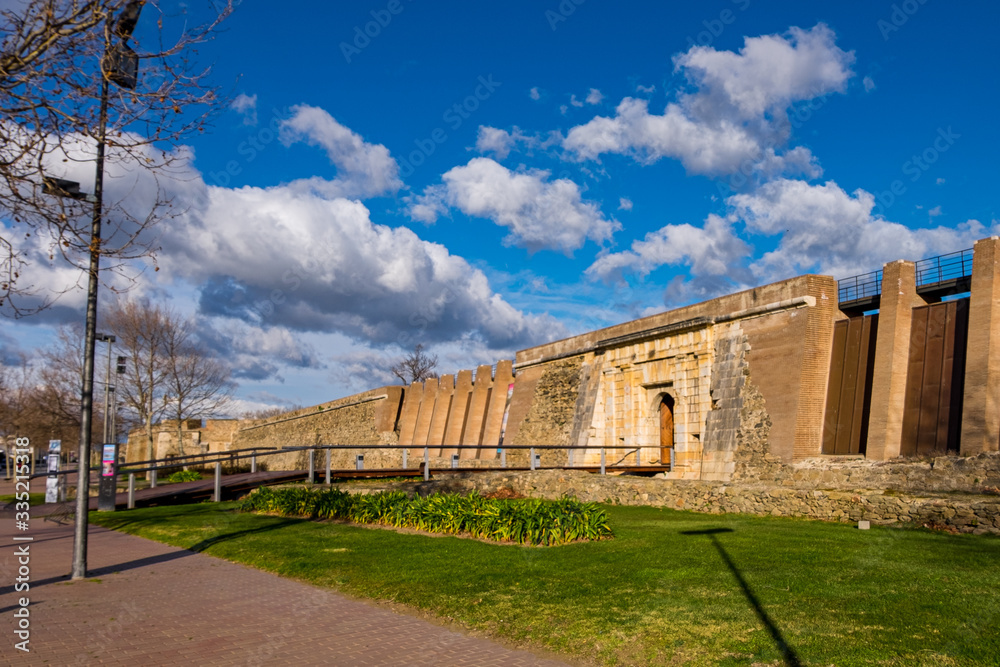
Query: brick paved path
x,y
151,604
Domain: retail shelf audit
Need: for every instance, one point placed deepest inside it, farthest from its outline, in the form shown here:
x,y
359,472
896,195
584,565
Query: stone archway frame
x,y
655,391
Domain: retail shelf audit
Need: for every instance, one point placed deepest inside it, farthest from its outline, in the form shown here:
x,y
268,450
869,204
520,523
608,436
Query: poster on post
x,y
52,485
108,461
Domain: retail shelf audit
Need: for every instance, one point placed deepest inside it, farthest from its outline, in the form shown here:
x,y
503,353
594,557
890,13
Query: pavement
x,y
146,603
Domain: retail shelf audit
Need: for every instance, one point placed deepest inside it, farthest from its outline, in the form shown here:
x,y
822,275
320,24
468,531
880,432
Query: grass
x,y
667,590
33,499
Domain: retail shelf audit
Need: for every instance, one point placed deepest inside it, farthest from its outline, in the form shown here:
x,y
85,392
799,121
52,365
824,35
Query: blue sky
x,y
481,177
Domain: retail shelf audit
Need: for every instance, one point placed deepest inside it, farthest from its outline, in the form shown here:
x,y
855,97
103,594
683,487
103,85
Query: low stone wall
x,y
944,474
967,513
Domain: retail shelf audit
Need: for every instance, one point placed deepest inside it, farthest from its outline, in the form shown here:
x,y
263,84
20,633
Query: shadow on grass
x,y
787,652
218,539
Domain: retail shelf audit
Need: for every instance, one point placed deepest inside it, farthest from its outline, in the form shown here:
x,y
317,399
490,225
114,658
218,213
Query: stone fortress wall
x,y
730,390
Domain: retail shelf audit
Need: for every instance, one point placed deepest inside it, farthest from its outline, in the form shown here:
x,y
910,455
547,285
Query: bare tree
x,y
40,397
195,384
166,372
140,332
58,391
56,60
17,386
416,366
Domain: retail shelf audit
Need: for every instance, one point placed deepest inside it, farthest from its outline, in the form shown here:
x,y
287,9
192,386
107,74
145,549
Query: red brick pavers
x,y
150,604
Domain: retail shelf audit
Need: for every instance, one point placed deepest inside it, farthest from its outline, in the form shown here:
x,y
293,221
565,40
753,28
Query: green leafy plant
x,y
537,522
184,476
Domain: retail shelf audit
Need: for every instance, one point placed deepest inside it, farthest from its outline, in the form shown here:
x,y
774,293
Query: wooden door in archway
x,y
666,428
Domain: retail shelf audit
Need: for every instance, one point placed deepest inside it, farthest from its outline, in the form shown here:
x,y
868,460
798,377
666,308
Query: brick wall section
x,y
354,420
215,436
723,421
442,407
892,356
981,405
494,412
776,355
815,369
458,413
521,402
476,416
549,420
788,328
426,413
583,412
408,418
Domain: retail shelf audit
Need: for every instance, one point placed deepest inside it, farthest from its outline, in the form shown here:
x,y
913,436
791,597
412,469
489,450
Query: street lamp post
x,y
119,64
105,338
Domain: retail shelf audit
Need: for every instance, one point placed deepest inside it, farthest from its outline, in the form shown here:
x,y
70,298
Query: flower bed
x,y
530,521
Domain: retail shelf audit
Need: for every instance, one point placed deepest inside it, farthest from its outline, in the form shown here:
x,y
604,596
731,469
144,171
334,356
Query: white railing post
x,y
131,490
218,481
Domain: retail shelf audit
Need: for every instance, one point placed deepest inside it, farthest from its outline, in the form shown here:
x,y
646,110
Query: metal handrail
x,y
929,271
942,268
235,455
864,286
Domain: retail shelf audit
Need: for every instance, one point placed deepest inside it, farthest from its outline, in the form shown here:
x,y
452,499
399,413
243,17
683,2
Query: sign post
x,y
54,490
108,487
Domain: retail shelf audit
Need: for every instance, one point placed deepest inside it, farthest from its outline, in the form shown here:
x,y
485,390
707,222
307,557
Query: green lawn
x,y
33,499
671,588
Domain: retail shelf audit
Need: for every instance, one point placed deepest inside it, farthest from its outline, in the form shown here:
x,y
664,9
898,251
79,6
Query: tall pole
x,y
87,392
108,423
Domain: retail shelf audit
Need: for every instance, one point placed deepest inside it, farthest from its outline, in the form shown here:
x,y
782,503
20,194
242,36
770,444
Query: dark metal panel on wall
x,y
845,427
935,379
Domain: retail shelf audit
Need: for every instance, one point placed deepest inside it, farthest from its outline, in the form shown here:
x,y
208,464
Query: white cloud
x,y
494,140
713,253
535,94
594,96
575,102
501,142
314,264
939,181
563,109
869,84
247,106
290,259
822,227
934,212
737,114
255,352
624,204
645,89
363,169
647,137
538,212
770,72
